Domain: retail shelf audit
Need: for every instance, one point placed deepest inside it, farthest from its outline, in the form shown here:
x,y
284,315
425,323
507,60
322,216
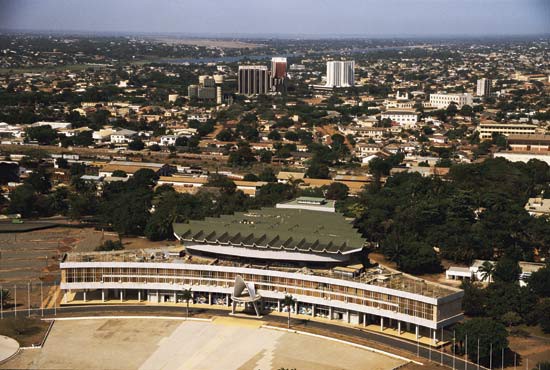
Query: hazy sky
x,y
307,17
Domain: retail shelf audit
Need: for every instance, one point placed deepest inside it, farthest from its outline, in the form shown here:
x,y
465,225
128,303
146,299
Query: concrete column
x,y
121,295
346,317
210,298
296,308
228,299
139,295
102,295
175,297
65,297
398,327
381,323
330,313
84,295
278,305
435,336
312,310
364,319
417,331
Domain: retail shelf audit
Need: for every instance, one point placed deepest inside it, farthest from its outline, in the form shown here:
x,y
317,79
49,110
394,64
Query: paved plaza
x,y
225,343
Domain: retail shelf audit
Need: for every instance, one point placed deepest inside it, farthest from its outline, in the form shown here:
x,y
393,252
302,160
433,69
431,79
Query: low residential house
x,y
183,184
130,168
363,150
123,136
477,272
250,188
286,177
168,140
538,207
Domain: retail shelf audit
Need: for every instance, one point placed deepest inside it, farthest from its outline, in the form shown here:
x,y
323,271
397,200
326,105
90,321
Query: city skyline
x,y
373,18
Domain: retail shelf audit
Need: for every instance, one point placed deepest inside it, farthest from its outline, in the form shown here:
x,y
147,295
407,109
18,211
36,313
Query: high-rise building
x,y
340,73
254,80
278,73
484,87
205,90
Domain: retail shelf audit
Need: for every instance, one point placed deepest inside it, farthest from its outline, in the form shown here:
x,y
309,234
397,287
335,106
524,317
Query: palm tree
x,y
187,296
487,269
288,301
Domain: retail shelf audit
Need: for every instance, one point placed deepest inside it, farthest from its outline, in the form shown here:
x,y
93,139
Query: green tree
x,y
119,173
22,200
45,135
136,144
40,181
507,270
539,282
337,191
110,245
489,333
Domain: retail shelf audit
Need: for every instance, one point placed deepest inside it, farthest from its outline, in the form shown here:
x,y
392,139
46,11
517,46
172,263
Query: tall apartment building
x,y
484,87
442,101
254,80
340,73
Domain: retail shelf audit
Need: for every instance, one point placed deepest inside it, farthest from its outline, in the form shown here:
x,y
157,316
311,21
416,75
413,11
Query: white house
x,y
123,136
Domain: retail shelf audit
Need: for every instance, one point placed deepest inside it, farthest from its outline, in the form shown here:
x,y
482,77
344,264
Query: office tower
x,y
278,74
484,87
278,67
253,80
340,73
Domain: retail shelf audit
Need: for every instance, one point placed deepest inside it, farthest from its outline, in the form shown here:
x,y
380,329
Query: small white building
x,y
405,118
442,101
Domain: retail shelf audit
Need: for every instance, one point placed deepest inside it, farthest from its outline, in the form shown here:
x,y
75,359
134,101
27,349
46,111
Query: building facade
x,y
340,73
484,86
253,80
382,297
442,101
487,129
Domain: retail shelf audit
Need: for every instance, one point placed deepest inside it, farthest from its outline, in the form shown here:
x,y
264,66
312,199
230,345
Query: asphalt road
x,y
390,343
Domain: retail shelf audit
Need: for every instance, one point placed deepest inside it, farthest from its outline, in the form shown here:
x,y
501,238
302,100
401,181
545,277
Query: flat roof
x,y
278,229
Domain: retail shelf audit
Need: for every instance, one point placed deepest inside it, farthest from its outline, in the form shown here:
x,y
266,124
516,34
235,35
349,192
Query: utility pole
x,y
29,299
41,298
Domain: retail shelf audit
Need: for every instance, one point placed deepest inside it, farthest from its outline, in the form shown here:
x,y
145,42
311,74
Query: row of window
x,y
292,286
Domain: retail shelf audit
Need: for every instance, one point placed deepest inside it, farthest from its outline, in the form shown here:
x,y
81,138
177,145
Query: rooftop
x,y
277,229
379,276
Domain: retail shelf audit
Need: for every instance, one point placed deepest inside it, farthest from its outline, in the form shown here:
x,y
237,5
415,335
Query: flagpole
x,y
466,354
491,357
454,350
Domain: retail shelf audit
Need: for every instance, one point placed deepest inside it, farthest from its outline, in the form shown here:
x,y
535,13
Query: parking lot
x,y
225,343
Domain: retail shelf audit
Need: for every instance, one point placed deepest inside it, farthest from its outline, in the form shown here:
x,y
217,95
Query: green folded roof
x,y
276,228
